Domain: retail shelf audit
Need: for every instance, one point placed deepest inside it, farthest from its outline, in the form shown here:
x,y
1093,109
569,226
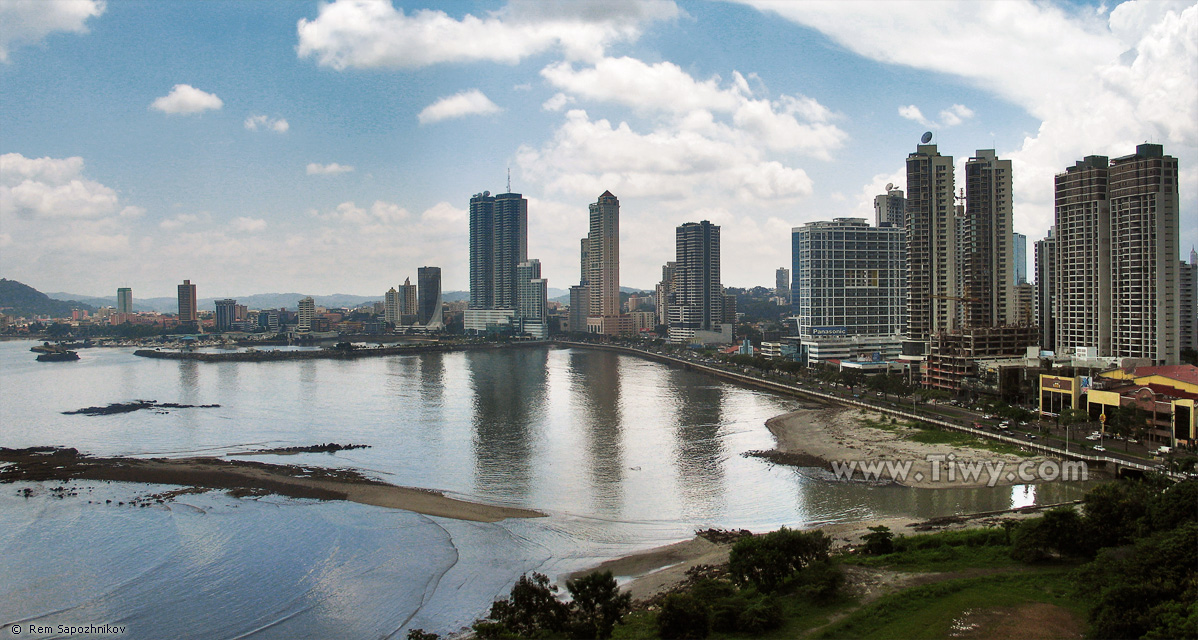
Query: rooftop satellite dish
x,y
927,137
889,186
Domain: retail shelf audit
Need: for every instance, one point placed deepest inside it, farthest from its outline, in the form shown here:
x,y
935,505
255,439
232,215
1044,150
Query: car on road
x,y
1099,447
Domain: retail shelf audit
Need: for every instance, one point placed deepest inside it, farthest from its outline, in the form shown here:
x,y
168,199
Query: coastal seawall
x,y
329,353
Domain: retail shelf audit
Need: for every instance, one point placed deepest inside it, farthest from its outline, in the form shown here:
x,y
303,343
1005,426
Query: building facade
x,y
1082,311
498,243
851,282
890,208
124,300
933,279
603,256
189,317
307,313
1019,259
428,310
987,260
1046,283
532,303
1187,303
698,303
391,307
226,314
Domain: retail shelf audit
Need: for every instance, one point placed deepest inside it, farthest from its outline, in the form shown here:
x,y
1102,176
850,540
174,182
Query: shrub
x,y
683,617
1059,531
879,541
421,634
768,561
762,615
532,609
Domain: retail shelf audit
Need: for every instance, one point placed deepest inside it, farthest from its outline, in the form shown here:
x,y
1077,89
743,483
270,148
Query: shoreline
x,y
663,569
40,464
825,436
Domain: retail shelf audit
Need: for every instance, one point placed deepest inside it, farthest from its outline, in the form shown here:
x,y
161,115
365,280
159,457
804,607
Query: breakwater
x,y
275,355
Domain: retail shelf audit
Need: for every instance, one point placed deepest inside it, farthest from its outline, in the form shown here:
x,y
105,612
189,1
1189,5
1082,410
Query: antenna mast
x,y
509,179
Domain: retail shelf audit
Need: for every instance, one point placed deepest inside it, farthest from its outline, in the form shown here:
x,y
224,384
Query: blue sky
x,y
333,147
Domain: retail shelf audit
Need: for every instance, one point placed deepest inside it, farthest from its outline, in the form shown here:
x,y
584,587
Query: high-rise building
x,y
391,305
1019,261
988,257
226,314
307,313
1025,305
851,299
890,208
1046,289
1117,274
189,317
498,242
1082,303
933,278
124,300
580,302
429,306
532,303
664,293
698,296
782,284
407,298
603,256
1145,214
1187,304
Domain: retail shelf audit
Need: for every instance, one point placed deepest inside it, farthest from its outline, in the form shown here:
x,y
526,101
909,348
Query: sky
x,y
333,147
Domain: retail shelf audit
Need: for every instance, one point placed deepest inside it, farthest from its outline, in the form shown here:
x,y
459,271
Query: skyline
x,y
334,147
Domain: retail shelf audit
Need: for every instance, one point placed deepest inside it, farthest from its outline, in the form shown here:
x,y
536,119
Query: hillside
x,y
19,299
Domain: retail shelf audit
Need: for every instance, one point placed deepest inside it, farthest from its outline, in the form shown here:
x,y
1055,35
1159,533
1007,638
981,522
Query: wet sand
x,y
818,435
48,463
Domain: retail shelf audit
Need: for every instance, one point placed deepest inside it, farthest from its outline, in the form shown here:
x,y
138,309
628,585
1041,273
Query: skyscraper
x,y
124,300
987,261
1187,303
1019,261
603,256
1046,289
498,243
698,296
532,304
391,304
407,298
1082,304
851,295
890,208
1144,266
188,315
931,239
664,293
307,312
782,284
1117,273
226,314
429,311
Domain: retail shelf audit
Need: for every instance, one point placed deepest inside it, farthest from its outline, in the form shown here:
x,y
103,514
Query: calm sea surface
x,y
622,453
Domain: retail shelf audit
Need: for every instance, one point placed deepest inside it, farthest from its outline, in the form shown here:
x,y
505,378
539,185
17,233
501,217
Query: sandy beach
x,y
48,463
819,435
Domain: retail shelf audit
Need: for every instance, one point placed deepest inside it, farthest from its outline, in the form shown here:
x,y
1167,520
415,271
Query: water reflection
x,y
595,379
508,397
699,449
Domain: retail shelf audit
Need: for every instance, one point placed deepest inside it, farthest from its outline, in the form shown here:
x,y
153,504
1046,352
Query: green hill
x,y
19,300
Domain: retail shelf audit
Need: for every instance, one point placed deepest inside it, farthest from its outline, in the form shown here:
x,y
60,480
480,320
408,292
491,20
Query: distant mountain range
x,y
25,300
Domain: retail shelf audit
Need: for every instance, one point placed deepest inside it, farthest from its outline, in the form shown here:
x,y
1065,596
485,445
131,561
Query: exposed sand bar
x,y
817,435
46,463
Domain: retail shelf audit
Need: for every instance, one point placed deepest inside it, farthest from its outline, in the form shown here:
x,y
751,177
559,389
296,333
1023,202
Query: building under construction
x,y
954,355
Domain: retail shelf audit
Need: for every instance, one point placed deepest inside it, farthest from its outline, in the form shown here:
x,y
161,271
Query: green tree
x,y
769,561
1059,531
683,617
531,611
598,605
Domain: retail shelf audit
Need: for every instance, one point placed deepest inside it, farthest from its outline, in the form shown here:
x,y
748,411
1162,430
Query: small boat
x,y
60,355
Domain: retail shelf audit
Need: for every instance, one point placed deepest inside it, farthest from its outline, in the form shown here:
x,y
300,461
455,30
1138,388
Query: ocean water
x,y
621,453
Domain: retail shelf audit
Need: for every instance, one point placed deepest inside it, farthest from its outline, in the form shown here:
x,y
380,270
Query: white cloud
x,y
27,22
379,213
557,102
186,99
278,125
52,187
1099,84
132,212
949,117
467,103
185,220
331,169
373,33
248,225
